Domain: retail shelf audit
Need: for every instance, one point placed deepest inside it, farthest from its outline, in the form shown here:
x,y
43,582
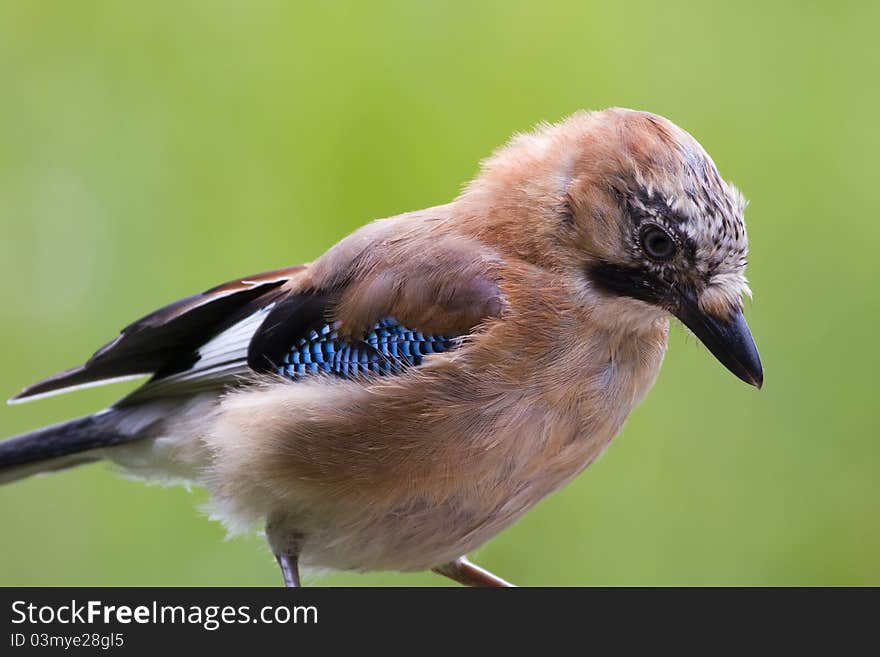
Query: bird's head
x,y
631,207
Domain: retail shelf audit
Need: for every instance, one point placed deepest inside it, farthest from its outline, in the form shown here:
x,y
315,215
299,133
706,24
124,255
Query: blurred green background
x,y
151,150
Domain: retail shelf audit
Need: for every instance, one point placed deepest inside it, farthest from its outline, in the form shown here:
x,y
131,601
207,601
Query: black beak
x,y
729,341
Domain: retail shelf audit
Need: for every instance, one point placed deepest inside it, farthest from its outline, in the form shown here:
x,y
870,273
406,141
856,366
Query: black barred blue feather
x,y
388,348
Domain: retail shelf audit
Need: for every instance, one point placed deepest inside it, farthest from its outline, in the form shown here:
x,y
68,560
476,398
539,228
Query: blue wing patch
x,y
388,348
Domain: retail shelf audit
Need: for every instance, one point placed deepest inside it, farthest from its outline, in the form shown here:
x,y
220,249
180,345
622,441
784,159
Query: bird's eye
x,y
656,242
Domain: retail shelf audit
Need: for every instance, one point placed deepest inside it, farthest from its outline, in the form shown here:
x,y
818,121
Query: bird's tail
x,y
62,445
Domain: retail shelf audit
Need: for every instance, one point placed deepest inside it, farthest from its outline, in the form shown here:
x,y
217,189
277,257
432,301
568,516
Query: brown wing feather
x,y
156,341
411,269
429,281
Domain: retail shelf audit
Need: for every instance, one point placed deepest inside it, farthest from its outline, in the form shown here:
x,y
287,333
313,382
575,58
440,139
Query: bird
x,y
399,401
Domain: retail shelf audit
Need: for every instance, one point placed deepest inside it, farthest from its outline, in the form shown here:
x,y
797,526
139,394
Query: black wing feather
x,y
165,340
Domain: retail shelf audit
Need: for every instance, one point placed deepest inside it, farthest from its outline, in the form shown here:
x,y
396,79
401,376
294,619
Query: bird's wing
x,y
168,338
370,315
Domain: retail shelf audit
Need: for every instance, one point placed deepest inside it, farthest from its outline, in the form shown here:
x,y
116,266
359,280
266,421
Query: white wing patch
x,y
232,344
222,359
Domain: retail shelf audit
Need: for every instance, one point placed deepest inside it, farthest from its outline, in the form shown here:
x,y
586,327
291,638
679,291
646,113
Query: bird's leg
x,y
286,544
289,563
464,572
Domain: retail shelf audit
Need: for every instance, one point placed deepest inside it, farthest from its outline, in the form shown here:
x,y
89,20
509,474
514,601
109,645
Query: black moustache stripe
x,y
629,282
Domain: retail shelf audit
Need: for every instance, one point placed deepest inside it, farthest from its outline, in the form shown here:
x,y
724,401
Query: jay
x,y
402,399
